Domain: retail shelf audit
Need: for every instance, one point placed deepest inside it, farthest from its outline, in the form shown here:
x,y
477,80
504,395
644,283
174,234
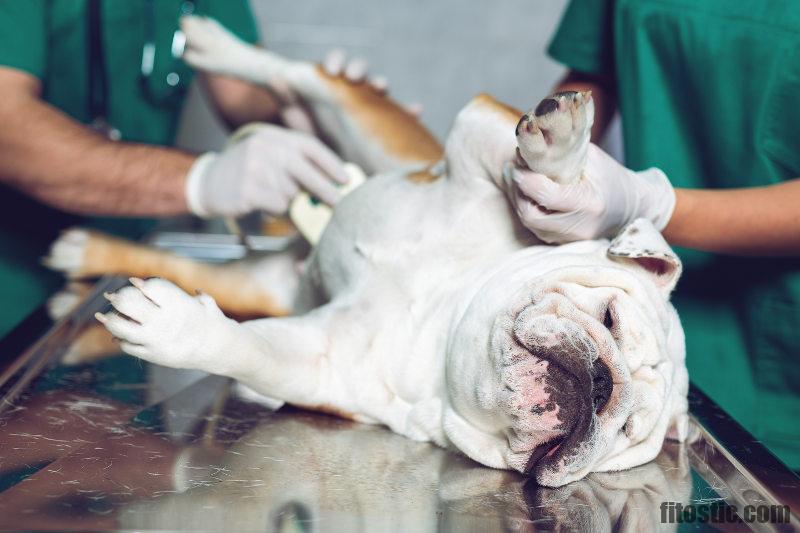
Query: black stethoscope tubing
x,y
97,83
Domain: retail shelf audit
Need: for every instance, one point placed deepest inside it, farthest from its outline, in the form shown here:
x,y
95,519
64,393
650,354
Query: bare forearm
x,y
754,221
237,102
62,163
603,94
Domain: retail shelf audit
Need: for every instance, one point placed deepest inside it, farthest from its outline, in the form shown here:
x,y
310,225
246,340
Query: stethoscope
x,y
166,94
171,80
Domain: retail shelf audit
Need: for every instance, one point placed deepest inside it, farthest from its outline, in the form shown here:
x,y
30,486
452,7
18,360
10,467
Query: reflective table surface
x,y
92,440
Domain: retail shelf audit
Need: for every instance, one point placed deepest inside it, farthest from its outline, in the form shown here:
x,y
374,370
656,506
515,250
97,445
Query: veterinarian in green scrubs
x,y
707,93
116,65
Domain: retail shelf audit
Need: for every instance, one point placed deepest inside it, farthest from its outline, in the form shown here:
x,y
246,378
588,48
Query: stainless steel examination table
x,y
113,443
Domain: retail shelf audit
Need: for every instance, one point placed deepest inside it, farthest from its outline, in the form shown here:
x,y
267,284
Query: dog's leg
x,y
283,358
366,127
551,139
481,140
246,289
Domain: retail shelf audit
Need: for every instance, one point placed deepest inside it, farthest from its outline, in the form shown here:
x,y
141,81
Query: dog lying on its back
x,y
426,306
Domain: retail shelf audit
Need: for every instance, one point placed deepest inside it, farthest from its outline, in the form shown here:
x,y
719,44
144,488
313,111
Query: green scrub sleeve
x,y
22,35
584,38
234,15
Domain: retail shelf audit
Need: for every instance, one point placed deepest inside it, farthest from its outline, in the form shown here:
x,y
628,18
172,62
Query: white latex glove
x,y
599,204
263,171
354,69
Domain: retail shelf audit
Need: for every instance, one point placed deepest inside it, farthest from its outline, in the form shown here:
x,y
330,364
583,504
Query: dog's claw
x,y
139,283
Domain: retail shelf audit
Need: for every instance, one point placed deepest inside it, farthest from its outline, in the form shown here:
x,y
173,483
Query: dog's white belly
x,y
417,235
395,259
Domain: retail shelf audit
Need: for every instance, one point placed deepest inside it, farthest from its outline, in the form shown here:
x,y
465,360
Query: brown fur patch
x,y
422,176
511,113
399,132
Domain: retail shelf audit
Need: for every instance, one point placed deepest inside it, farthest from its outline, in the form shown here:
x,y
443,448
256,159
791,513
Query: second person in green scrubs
x,y
706,92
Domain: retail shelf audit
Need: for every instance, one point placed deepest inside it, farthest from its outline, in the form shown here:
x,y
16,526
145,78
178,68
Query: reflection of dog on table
x,y
238,474
394,484
426,306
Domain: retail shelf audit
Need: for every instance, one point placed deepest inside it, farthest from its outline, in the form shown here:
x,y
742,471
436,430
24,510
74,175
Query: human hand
x,y
263,171
604,199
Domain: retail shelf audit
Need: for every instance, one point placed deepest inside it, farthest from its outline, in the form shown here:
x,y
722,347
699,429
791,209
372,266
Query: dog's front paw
x,y
158,322
212,48
554,137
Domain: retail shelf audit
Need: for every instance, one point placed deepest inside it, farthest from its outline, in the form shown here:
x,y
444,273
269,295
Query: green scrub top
x,y
706,93
48,39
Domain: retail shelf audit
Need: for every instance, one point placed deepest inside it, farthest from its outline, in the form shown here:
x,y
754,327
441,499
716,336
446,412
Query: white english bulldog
x,y
426,306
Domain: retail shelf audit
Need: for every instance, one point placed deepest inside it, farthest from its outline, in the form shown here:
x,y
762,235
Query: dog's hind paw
x,y
68,253
64,301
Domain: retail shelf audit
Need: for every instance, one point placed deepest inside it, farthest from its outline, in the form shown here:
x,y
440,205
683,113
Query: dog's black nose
x,y
602,385
548,105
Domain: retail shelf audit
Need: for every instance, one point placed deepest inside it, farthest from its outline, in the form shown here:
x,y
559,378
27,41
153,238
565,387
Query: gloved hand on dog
x,y
600,203
263,171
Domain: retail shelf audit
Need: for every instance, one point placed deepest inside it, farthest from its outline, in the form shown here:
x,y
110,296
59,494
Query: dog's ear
x,y
640,245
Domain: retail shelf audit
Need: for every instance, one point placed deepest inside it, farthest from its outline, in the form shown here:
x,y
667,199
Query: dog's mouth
x,y
565,363
581,419
543,451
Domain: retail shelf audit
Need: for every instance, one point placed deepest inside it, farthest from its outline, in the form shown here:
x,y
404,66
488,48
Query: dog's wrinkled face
x,y
568,361
586,368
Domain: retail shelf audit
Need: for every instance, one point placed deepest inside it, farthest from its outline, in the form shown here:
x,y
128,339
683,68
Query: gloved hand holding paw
x,y
605,199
